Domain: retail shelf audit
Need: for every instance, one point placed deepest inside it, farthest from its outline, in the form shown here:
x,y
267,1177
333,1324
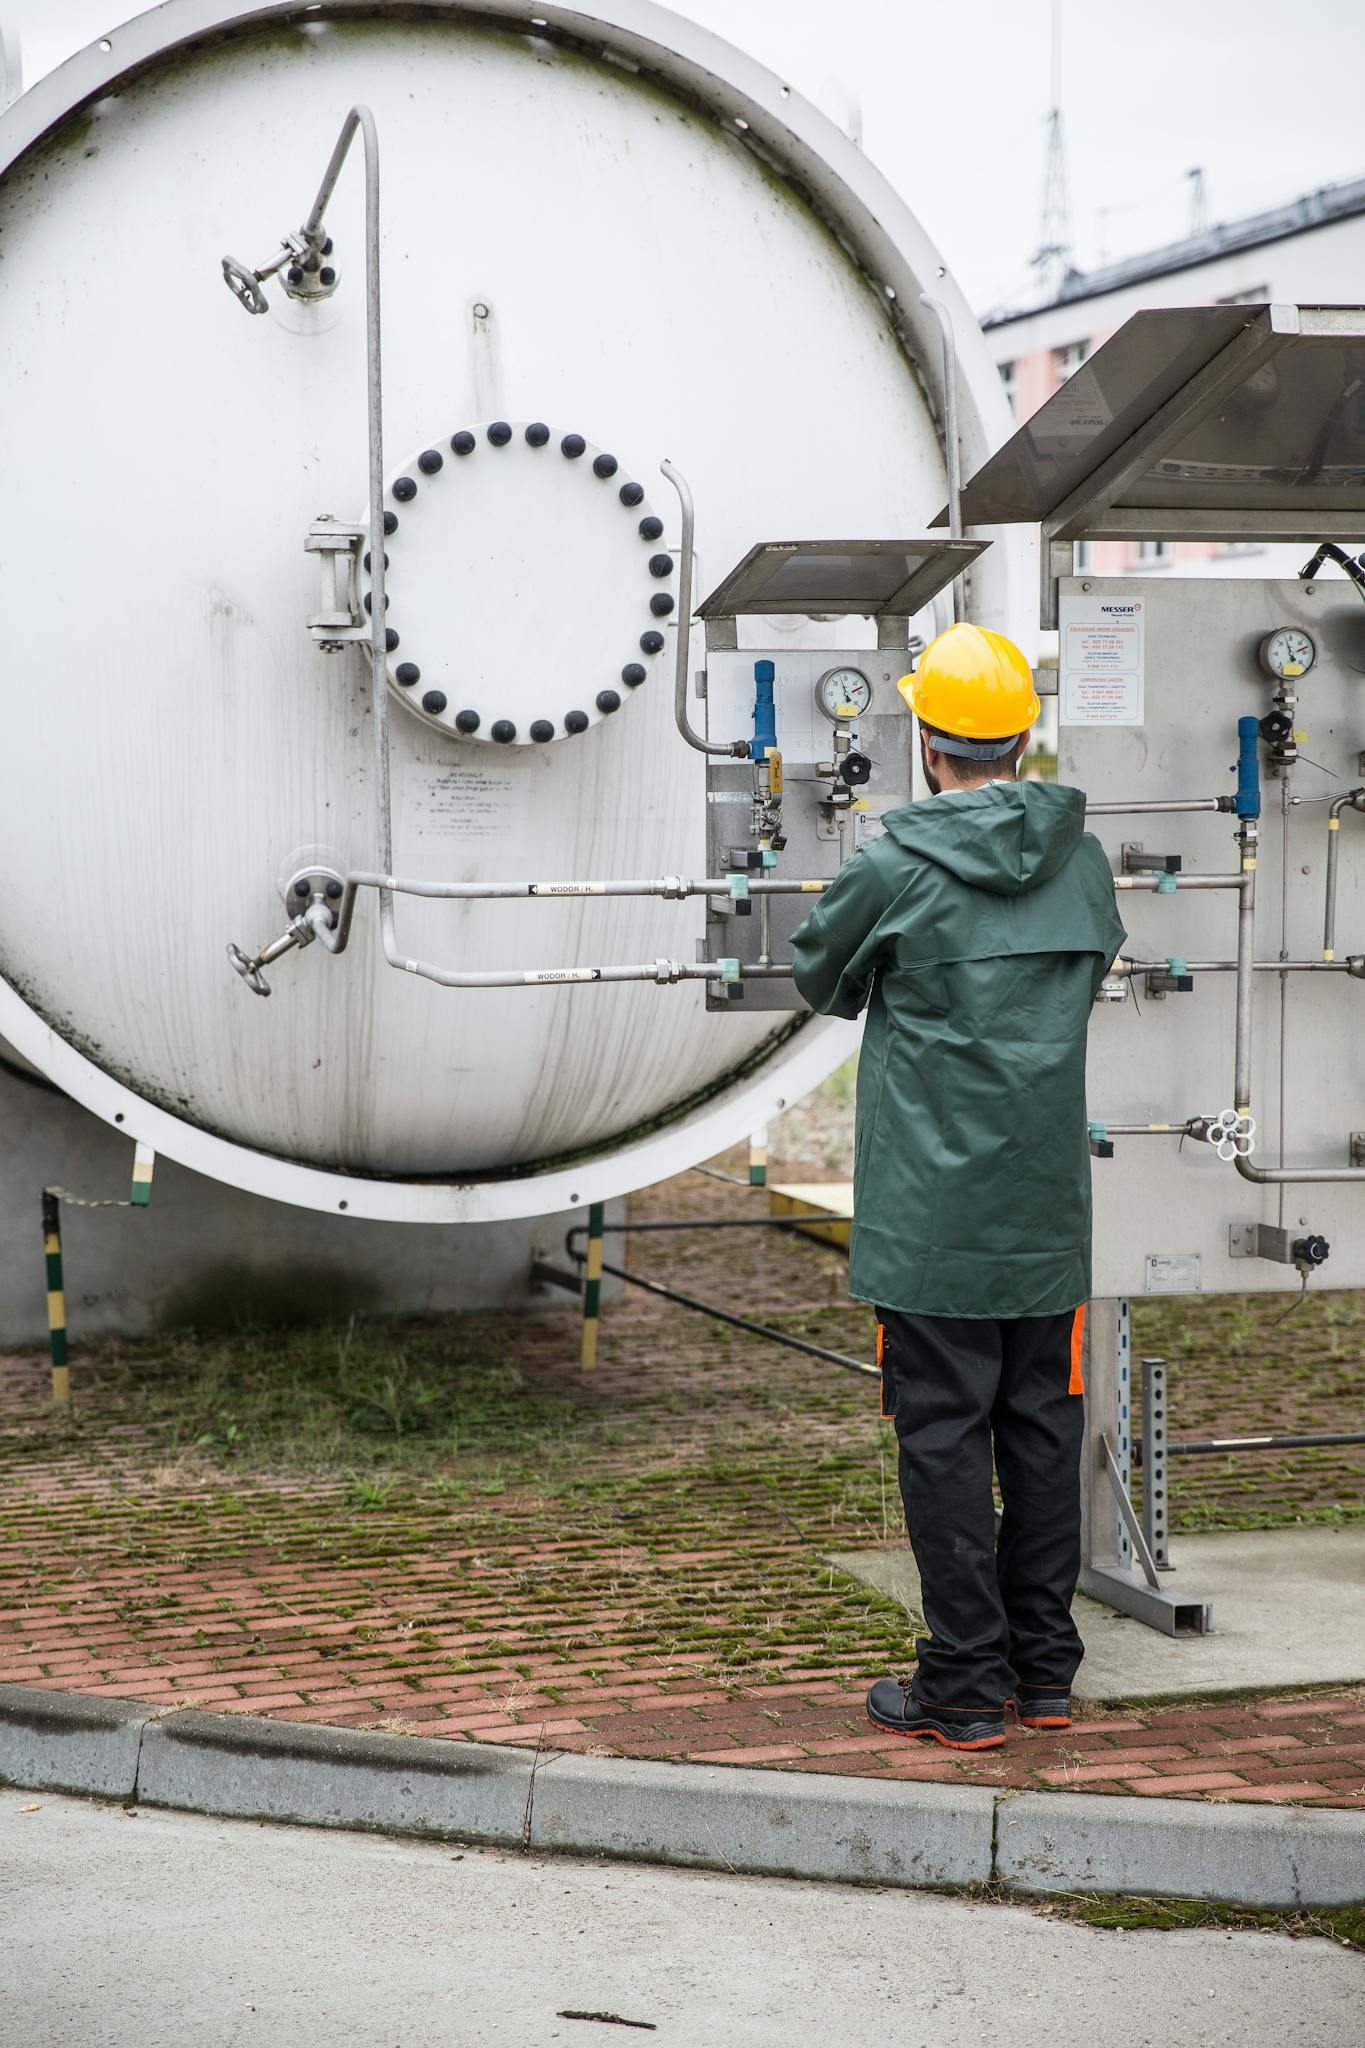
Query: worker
x,y
976,927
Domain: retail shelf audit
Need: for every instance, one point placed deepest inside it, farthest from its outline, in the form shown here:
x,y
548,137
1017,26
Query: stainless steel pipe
x,y
1187,1129
1152,883
736,749
673,887
663,972
1193,803
1353,964
1263,1176
1355,800
952,452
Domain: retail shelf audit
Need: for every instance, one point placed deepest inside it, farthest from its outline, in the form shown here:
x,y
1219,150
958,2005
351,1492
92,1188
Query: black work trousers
x,y
997,1608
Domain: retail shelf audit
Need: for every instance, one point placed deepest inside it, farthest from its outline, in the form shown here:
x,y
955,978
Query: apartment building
x,y
1309,252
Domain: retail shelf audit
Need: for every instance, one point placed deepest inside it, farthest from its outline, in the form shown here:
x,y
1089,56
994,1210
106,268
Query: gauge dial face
x,y
1288,653
843,693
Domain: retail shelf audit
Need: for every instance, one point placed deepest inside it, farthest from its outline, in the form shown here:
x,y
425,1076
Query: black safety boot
x,y
1036,1707
892,1705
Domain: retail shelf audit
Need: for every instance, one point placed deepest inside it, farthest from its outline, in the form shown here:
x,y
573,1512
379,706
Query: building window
x,y
1066,361
1152,554
1007,378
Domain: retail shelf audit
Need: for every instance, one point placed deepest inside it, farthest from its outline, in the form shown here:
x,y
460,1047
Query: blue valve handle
x,y
1248,800
765,711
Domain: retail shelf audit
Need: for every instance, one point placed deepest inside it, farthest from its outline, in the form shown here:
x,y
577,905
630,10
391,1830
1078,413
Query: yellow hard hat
x,y
973,684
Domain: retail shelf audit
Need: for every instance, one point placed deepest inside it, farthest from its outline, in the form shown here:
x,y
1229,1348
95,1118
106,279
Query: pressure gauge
x,y
843,693
1287,653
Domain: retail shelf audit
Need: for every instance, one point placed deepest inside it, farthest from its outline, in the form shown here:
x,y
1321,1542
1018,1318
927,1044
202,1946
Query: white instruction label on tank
x,y
1102,659
464,801
1173,1273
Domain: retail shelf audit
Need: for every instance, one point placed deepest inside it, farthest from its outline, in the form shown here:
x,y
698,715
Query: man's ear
x,y
1022,747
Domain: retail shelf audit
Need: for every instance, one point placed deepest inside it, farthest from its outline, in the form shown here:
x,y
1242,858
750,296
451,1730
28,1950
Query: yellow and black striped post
x,y
56,1299
592,1286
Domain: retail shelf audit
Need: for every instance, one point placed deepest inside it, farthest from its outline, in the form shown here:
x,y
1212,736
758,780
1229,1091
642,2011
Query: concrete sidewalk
x,y
709,1817
1288,1610
277,1937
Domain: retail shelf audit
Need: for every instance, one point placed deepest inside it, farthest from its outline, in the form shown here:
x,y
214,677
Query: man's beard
x,y
935,786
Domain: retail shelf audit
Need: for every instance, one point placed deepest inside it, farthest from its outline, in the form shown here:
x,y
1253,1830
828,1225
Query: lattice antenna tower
x,y
1199,203
1052,259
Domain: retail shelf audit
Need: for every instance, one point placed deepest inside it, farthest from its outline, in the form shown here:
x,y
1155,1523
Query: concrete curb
x,y
1178,1848
67,1742
770,1823
333,1777
778,1823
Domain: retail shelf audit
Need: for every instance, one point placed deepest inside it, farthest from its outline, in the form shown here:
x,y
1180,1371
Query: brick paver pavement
x,y
635,1566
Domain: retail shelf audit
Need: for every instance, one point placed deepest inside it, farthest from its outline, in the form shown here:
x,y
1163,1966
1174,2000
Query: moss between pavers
x,y
451,1401
462,1476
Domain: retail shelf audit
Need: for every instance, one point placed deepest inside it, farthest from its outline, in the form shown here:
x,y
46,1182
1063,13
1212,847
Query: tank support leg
x,y
56,1299
592,1286
758,1158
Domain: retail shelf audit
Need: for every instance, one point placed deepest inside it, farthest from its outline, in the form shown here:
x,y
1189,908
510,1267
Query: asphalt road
x,y
142,1930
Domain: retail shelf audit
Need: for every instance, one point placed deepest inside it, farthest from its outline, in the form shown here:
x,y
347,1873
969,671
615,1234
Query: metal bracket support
x,y
1137,861
1261,1241
1155,1522
1111,1530
1056,558
1266,1241
1126,1512
545,1275
339,618
1159,1609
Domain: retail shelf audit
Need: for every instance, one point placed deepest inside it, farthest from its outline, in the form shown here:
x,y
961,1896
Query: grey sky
x,y
954,101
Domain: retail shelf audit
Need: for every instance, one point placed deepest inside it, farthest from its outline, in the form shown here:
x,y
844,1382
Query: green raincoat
x,y
977,929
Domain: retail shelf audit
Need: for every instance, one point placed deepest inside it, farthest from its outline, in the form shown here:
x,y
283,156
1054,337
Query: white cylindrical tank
x,y
610,222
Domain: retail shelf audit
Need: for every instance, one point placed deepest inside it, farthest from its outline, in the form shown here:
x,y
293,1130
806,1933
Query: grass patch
x,y
1343,1924
355,1397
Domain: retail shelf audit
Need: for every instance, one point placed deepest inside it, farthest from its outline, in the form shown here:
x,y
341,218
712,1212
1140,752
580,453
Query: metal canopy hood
x,y
1197,423
885,579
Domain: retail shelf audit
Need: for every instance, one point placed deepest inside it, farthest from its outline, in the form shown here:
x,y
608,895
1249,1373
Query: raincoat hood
x,y
1005,837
